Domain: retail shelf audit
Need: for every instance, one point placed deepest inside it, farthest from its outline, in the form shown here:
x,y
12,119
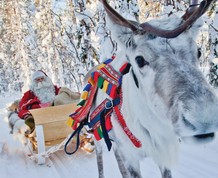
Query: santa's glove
x,y
29,121
20,130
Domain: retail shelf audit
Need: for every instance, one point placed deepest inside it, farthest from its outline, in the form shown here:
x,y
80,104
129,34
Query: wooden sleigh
x,y
51,129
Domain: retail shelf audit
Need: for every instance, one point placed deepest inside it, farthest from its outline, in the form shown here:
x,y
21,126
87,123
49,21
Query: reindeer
x,y
165,97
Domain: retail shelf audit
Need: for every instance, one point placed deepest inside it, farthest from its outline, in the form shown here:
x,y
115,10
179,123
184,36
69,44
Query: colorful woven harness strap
x,y
122,123
109,80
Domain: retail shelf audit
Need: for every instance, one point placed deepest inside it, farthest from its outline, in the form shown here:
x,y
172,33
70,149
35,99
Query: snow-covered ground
x,y
194,161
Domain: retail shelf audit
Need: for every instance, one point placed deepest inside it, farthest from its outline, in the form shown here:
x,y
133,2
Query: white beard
x,y
45,90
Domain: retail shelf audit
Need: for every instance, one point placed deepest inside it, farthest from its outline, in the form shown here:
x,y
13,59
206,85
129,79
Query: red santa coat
x,y
30,101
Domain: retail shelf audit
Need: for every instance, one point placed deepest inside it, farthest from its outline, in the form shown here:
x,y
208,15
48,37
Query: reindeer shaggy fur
x,y
172,100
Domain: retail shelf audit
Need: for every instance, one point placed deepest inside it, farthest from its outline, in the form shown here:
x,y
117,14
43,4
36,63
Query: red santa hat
x,y
38,74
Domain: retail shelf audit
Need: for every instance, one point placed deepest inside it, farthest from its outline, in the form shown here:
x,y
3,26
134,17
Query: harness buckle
x,y
109,104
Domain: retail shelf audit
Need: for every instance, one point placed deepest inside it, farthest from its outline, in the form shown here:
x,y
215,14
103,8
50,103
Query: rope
x,y
50,151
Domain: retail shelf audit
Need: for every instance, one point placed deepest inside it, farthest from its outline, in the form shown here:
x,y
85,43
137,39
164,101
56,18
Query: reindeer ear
x,y
122,35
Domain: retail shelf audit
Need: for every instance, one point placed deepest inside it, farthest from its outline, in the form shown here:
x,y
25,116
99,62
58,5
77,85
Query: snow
x,y
194,161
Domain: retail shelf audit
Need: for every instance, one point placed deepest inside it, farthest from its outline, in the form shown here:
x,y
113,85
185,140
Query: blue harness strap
x,y
77,133
103,126
108,110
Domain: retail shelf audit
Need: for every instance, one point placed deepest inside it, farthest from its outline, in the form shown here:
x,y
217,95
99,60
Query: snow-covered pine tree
x,y
213,74
213,30
67,38
213,48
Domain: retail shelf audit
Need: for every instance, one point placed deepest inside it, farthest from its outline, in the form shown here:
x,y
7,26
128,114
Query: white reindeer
x,y
165,97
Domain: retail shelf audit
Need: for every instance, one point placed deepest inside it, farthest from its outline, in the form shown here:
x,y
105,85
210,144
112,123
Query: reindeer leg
x,y
165,173
99,156
134,172
127,170
121,165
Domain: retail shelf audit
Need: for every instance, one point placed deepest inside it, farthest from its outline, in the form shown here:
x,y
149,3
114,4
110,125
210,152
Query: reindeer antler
x,y
117,18
189,18
195,3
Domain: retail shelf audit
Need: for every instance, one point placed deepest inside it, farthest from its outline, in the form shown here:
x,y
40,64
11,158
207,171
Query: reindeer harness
x,y
109,81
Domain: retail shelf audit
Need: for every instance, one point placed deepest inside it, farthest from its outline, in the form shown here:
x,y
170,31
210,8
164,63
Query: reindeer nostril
x,y
203,136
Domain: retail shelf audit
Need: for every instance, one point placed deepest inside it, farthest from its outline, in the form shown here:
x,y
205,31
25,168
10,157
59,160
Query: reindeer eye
x,y
141,61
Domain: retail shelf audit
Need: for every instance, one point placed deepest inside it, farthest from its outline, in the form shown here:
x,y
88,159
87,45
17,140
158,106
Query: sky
x,y
193,161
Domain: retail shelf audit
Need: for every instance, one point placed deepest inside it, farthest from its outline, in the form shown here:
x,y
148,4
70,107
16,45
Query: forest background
x,y
66,38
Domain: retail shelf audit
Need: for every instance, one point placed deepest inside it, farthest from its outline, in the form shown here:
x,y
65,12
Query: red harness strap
x,y
125,128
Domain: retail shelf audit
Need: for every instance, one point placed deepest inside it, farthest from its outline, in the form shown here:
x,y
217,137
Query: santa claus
x,y
41,94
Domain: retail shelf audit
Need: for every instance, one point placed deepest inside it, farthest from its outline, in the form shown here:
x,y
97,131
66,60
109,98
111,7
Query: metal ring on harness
x,y
109,104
